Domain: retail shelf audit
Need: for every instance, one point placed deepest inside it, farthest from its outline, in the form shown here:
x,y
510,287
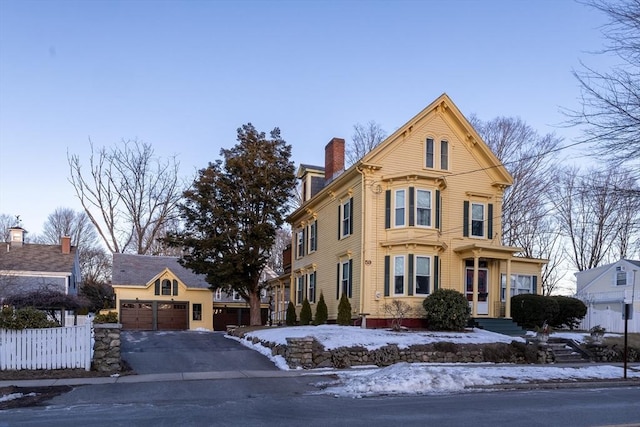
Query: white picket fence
x,y
49,348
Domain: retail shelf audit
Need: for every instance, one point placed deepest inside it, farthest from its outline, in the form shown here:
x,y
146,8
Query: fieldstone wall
x,y
106,348
307,353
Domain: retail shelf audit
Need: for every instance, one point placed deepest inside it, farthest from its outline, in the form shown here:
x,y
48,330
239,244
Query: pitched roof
x,y
138,270
35,257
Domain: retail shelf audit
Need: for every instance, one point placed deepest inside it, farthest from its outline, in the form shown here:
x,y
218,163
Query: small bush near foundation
x,y
344,311
24,318
531,311
111,317
570,312
305,313
447,310
292,317
322,313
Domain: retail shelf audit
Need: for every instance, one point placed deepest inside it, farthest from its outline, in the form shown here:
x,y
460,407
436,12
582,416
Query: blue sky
x,y
184,75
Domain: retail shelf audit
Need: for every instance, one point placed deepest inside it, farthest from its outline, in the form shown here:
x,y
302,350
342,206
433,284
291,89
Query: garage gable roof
x,y
139,270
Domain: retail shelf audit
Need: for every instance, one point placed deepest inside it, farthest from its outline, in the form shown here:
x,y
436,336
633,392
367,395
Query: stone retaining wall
x,y
307,353
106,348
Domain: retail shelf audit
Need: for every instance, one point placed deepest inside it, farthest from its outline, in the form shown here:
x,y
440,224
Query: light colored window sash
x,y
399,208
398,275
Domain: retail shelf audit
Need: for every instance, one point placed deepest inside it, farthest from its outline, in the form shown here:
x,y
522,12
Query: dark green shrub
x,y
305,313
570,312
344,311
24,318
531,311
292,317
110,317
322,314
447,310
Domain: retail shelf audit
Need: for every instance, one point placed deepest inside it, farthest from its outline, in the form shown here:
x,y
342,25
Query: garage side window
x,y
197,311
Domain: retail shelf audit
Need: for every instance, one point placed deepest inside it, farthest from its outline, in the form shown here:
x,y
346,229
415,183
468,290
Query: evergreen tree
x,y
292,317
322,313
305,313
344,311
232,212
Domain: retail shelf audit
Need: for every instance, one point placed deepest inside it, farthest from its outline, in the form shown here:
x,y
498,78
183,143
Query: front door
x,y
483,290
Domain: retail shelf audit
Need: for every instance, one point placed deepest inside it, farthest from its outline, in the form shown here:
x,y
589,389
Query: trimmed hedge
x,y
322,313
24,318
531,311
447,310
305,313
570,312
344,311
292,317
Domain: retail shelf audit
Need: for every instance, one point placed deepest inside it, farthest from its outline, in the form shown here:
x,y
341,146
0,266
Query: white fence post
x,y
48,348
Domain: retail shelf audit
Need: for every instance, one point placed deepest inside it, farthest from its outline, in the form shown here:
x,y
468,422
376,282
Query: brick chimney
x,y
333,159
65,242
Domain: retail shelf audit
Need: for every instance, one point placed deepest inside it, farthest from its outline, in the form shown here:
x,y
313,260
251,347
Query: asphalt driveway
x,y
155,352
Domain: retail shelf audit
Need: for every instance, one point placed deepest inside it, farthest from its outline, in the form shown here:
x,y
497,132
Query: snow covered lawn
x,y
423,378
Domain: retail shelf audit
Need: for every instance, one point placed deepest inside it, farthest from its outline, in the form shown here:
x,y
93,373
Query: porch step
x,y
564,351
500,325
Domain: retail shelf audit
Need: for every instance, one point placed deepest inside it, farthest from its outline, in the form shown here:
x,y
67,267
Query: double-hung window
x,y
313,236
344,279
423,208
311,292
345,216
429,152
300,289
477,219
300,243
398,275
444,155
520,284
621,276
399,208
197,311
423,275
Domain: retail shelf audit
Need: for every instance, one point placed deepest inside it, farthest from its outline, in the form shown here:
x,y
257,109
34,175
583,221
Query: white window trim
x,y
415,274
513,283
404,275
484,220
299,243
315,286
344,281
431,203
310,248
396,207
345,217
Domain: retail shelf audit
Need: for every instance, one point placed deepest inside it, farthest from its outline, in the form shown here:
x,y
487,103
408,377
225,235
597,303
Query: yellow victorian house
x,y
419,212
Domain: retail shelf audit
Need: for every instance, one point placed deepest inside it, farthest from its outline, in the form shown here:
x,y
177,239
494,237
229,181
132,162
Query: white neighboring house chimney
x,y
16,236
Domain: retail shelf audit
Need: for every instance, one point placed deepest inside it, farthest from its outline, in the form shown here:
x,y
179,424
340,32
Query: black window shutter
x,y
351,216
387,209
436,272
315,237
535,284
490,221
412,204
465,216
157,287
410,274
175,287
304,241
339,221
438,209
338,282
387,262
350,288
304,288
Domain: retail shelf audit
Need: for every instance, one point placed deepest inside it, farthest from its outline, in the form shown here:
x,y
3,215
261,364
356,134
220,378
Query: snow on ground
x,y
425,378
14,396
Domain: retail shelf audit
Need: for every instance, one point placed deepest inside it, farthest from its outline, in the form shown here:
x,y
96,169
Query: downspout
x,y
362,241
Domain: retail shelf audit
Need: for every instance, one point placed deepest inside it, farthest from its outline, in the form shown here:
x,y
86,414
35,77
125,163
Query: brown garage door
x,y
136,315
172,316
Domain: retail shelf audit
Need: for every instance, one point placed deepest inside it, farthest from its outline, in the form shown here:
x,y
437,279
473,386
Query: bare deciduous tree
x,y
283,239
398,310
610,113
592,212
67,222
128,194
364,139
526,221
6,222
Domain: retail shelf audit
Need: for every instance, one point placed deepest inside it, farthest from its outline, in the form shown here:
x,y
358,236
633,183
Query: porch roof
x,y
486,250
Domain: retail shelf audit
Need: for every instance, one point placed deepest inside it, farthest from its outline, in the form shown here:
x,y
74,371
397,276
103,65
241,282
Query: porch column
x,y
507,291
474,303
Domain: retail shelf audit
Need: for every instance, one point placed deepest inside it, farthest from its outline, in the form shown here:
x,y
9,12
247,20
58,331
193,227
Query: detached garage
x,y
154,315
156,293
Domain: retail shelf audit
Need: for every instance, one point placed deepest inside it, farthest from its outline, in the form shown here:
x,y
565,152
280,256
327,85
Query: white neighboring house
x,y
605,289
